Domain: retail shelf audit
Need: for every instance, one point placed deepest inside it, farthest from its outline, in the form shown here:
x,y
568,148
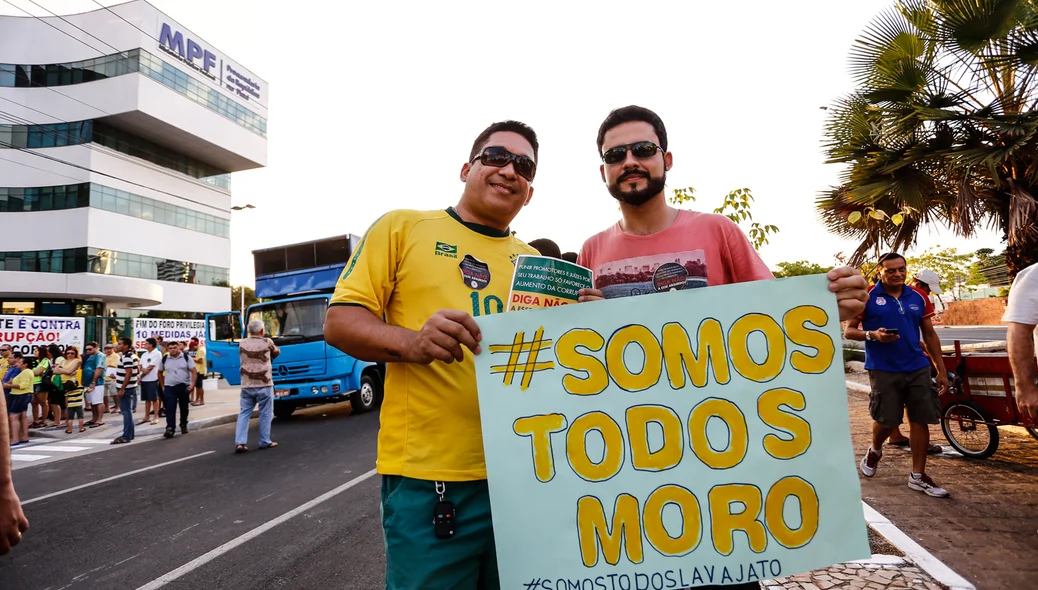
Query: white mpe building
x,y
119,129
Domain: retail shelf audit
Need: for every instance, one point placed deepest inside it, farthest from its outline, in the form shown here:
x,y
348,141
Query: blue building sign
x,y
223,72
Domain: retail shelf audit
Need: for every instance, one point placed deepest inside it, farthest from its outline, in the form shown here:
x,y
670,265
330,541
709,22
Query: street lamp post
x,y
241,288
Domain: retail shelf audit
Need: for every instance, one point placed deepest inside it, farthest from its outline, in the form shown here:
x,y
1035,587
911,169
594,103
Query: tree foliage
x,y
941,127
250,298
799,268
951,267
736,206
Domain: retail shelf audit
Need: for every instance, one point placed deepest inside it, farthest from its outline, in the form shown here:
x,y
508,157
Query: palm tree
x,y
941,127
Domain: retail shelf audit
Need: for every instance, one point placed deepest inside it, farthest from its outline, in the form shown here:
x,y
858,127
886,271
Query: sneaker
x,y
183,429
169,433
869,462
925,484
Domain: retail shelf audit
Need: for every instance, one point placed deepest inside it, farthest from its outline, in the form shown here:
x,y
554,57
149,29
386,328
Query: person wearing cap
x,y
111,388
929,283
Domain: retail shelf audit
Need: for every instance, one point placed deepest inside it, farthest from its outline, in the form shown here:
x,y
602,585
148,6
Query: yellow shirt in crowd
x,y
22,384
410,265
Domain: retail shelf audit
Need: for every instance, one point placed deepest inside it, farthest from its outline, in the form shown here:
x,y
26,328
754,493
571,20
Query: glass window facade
x,y
119,201
108,262
127,62
81,132
138,147
45,198
72,196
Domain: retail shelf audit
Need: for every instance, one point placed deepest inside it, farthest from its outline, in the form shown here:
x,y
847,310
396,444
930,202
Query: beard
x,y
637,197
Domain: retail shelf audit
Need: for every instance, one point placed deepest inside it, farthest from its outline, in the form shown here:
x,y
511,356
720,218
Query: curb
x,y
914,551
192,426
858,387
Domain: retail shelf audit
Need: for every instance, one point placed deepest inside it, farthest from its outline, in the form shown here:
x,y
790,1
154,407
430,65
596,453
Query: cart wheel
x,y
963,426
1032,431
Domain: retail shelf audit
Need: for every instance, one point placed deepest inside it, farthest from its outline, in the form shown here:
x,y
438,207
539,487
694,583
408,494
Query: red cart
x,y
980,400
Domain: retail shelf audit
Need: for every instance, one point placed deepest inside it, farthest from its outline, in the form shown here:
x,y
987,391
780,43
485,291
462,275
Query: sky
x,y
374,106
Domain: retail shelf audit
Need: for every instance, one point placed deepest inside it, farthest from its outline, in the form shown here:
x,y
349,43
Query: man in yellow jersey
x,y
428,273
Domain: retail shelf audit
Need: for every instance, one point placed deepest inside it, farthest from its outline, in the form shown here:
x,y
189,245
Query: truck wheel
x,y
283,410
368,397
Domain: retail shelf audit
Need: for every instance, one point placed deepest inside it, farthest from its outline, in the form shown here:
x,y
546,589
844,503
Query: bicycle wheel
x,y
963,426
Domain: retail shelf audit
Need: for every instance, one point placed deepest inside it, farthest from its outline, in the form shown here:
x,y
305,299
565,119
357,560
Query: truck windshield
x,y
292,322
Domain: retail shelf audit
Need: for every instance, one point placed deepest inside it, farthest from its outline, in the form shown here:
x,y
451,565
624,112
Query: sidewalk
x,y
986,529
882,572
221,407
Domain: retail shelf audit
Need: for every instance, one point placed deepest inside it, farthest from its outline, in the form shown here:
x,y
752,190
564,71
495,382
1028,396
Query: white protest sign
x,y
27,332
178,330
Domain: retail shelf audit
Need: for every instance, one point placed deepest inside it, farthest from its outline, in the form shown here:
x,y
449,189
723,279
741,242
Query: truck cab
x,y
295,284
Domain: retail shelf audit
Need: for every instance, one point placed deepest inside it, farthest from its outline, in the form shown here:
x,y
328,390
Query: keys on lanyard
x,y
444,515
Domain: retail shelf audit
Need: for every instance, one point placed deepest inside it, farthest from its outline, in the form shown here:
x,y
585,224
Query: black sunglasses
x,y
499,157
641,150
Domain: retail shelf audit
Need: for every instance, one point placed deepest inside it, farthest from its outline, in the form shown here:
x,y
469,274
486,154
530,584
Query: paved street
x,y
130,531
970,335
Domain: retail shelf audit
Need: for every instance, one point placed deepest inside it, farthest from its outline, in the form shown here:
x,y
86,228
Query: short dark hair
x,y
514,126
570,257
16,354
91,343
627,115
547,248
154,343
126,341
890,256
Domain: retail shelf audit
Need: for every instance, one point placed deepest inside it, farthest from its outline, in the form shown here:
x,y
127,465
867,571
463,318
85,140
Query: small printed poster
x,y
540,281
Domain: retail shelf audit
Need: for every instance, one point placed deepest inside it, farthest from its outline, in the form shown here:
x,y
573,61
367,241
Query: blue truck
x,y
294,284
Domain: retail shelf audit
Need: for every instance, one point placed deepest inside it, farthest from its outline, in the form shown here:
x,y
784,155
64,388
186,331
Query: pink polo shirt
x,y
697,250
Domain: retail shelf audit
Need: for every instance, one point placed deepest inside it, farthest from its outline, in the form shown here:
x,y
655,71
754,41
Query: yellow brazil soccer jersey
x,y
410,265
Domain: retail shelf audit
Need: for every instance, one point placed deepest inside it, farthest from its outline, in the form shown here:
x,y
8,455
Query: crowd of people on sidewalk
x,y
57,386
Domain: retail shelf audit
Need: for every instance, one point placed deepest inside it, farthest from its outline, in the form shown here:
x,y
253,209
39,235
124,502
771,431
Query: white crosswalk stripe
x,y
27,457
42,449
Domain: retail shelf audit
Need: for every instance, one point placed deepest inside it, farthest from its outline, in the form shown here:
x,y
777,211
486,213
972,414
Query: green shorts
x,y
416,558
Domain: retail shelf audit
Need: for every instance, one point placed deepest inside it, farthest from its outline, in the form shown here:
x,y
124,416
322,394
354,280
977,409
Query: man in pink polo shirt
x,y
655,247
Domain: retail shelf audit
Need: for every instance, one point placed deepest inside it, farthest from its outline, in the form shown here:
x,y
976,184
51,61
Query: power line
x,y
66,21
78,181
74,165
91,145
62,31
27,107
125,21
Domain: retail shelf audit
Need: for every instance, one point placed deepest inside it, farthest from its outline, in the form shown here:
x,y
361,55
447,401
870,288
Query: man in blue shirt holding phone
x,y
895,317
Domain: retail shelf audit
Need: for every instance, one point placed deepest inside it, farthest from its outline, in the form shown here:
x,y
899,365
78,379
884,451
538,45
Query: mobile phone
x,y
892,331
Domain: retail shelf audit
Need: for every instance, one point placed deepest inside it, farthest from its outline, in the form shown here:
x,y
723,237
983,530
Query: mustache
x,y
631,174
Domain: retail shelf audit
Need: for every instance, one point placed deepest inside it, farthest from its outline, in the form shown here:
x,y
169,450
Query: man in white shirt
x,y
150,361
1022,339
